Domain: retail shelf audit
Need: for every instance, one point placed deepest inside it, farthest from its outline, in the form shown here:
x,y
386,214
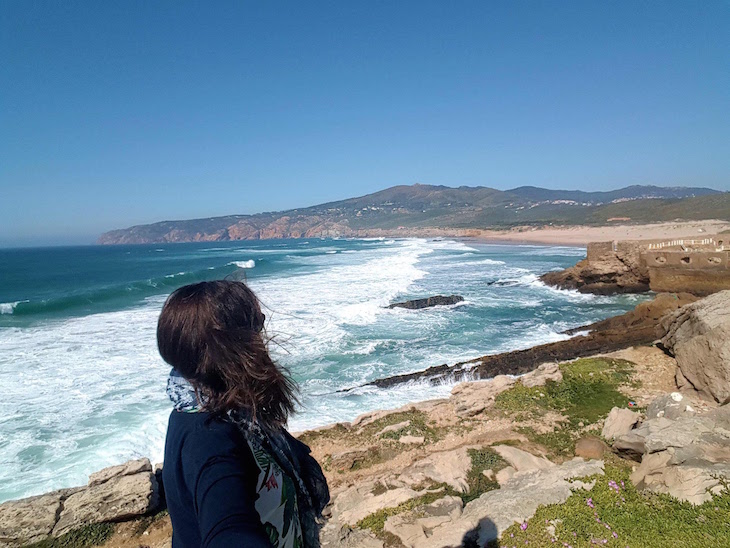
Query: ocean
x,y
84,386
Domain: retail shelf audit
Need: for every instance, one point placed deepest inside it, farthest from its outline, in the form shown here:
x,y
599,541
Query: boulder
x,y
118,493
590,448
31,519
672,406
698,336
359,501
451,467
687,458
486,518
544,373
436,300
619,422
471,398
521,460
413,528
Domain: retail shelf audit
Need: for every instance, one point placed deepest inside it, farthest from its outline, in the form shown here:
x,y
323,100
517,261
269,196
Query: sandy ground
x,y
582,235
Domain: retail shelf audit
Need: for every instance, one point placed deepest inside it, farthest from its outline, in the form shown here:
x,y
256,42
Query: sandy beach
x,y
582,235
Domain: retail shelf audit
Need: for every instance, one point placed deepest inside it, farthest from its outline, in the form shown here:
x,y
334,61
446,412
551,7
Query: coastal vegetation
x,y
397,209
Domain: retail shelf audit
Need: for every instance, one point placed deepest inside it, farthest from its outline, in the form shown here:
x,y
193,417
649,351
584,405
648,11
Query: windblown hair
x,y
213,334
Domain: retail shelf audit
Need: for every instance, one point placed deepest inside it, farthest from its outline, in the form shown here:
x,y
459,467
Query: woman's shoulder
x,y
202,433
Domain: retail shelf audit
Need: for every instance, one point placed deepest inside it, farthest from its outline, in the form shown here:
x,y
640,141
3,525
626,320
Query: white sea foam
x,y
89,392
175,275
243,264
9,308
78,388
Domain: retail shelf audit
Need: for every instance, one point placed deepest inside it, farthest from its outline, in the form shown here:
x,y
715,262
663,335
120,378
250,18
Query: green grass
x,y
376,521
418,426
639,520
587,393
84,537
482,459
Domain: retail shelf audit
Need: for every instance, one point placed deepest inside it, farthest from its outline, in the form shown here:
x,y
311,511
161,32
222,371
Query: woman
x,y
233,476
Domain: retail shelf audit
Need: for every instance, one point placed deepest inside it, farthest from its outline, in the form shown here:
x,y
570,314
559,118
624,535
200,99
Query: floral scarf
x,y
285,466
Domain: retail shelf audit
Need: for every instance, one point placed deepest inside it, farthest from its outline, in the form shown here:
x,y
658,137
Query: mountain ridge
x,y
437,206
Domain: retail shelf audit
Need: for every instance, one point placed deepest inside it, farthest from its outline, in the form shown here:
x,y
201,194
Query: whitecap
x,y
243,264
9,308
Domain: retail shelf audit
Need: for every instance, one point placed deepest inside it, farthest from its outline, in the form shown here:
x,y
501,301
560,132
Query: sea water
x,y
83,386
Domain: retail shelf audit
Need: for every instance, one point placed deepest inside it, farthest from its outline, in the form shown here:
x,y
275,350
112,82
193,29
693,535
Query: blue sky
x,y
123,112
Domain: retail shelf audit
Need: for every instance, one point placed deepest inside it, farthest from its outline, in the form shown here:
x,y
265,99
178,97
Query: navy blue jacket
x,y
209,479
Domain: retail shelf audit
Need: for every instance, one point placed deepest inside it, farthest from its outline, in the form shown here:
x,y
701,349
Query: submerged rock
x,y
634,328
436,300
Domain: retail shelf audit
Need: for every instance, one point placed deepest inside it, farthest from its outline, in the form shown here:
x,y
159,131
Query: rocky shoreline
x,y
485,462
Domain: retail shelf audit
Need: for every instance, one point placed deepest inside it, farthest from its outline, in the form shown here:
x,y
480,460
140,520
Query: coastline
x,y
570,235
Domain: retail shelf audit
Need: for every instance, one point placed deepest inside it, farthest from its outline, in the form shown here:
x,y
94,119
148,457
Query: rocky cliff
x,y
435,207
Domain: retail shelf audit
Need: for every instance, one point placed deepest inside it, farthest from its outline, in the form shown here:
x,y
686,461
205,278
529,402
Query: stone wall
x,y
597,251
699,272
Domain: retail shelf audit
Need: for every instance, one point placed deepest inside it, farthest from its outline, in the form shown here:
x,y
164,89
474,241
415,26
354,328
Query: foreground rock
x,y
688,458
113,494
698,336
634,328
436,300
445,524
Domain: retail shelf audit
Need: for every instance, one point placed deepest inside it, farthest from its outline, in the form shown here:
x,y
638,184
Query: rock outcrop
x,y
619,422
112,494
436,300
445,524
633,328
698,336
606,270
688,458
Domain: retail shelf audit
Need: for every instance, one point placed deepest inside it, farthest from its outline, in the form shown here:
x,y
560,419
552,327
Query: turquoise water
x,y
84,386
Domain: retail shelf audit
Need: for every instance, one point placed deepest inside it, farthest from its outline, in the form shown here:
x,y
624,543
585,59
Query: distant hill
x,y
426,206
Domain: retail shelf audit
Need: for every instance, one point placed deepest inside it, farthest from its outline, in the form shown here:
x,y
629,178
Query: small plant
x,y
84,537
615,514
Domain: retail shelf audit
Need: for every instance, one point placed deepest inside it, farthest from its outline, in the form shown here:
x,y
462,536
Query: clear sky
x,y
115,113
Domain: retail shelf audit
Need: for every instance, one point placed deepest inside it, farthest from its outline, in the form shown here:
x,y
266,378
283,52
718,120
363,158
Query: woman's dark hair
x,y
213,334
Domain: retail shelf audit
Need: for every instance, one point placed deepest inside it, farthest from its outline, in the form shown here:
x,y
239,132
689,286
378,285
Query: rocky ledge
x,y
636,327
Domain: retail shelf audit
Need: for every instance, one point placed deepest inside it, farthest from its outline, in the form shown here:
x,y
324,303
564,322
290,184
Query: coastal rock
x,y
522,461
544,373
31,519
347,459
686,458
637,327
127,469
698,336
118,493
672,406
487,517
590,448
619,422
413,528
471,398
359,501
335,536
607,269
450,467
436,300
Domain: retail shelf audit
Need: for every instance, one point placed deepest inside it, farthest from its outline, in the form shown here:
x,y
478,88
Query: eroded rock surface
x,y
698,336
113,494
686,458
